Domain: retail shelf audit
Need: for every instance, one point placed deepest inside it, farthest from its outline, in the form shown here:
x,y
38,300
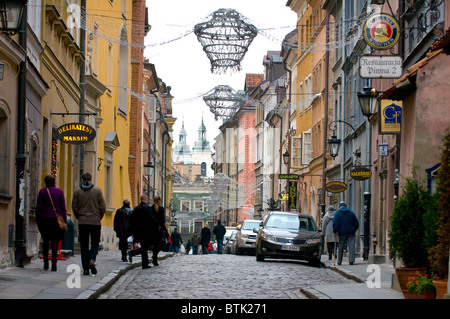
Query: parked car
x,y
288,235
245,237
229,243
230,230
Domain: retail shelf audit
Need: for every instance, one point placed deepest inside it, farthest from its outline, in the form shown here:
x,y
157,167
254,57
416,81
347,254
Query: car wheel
x,y
315,262
259,255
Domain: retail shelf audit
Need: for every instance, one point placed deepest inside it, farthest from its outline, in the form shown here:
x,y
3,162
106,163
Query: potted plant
x,y
438,255
407,230
420,287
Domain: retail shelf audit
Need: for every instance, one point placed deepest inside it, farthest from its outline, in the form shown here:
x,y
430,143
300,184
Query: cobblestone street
x,y
221,277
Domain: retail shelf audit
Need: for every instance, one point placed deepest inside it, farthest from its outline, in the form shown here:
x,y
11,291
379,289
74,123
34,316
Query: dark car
x,y
288,236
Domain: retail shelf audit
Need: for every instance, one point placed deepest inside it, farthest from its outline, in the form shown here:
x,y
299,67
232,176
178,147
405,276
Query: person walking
x,y
345,225
122,226
205,237
158,238
46,218
195,242
327,228
220,232
143,229
188,247
176,241
88,206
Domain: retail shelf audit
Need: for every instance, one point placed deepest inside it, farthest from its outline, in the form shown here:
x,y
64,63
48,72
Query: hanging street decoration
x,y
225,38
381,31
223,101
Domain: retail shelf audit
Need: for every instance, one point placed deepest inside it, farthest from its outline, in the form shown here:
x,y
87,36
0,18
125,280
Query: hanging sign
x,y
380,66
287,176
360,173
292,200
335,187
390,117
75,133
381,31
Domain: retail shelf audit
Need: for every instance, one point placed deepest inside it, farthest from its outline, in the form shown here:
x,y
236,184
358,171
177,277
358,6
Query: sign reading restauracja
x,y
75,133
380,66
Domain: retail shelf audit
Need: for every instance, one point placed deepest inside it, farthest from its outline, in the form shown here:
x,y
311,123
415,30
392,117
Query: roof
x,y
252,80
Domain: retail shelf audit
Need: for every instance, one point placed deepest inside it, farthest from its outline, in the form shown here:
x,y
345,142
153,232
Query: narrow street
x,y
221,277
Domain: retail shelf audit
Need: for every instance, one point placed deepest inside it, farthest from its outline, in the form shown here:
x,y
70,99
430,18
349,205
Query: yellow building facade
x,y
108,76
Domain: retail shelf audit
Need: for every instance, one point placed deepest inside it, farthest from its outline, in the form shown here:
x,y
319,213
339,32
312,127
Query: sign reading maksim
x,y
75,133
360,173
381,31
335,187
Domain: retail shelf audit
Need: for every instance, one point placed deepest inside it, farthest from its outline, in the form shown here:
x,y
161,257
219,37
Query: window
x,y
296,152
301,98
198,206
185,206
4,150
122,96
306,148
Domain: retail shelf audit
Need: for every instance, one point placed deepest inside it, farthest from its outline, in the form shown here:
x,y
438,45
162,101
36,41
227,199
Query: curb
x,y
106,283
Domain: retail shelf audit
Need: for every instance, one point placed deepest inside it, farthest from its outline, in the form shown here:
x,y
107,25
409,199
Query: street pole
x,y
82,80
366,249
19,240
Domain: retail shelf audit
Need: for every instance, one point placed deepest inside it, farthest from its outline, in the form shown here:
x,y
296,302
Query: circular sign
x,y
335,187
360,173
381,31
75,133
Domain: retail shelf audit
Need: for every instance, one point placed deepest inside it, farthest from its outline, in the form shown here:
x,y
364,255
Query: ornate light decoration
x,y
223,101
225,39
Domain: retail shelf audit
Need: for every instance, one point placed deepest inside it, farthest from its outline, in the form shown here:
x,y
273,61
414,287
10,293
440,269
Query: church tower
x,y
182,152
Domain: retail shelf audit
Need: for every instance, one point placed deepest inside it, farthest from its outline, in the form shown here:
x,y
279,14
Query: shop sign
x,y
360,173
380,66
287,176
283,196
381,31
75,133
335,187
292,201
390,116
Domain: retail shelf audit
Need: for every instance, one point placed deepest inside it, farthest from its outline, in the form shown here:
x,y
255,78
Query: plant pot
x,y
413,296
425,295
429,295
403,275
441,288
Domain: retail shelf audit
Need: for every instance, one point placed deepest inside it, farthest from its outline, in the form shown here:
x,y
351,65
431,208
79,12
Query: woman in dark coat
x,y
46,219
205,236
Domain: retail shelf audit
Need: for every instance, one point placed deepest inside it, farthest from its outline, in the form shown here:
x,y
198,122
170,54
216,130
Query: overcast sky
x,y
184,66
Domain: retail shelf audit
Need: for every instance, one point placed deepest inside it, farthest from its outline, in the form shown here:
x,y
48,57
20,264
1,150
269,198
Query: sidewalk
x,y
32,282
358,289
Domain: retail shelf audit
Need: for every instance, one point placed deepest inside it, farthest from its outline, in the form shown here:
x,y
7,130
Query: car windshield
x,y
250,225
289,222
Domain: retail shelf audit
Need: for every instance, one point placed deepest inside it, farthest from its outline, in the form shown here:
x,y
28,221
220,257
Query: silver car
x,y
245,237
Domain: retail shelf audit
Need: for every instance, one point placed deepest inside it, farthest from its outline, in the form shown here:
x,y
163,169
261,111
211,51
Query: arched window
x,y
203,169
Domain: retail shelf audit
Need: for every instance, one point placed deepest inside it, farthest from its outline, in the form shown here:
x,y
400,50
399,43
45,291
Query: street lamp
x,y
286,157
11,12
368,101
334,143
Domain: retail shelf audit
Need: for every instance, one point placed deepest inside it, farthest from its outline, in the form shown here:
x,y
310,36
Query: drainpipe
x,y
325,120
19,240
82,81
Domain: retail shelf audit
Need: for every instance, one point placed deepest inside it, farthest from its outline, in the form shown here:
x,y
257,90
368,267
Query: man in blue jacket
x,y
345,224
